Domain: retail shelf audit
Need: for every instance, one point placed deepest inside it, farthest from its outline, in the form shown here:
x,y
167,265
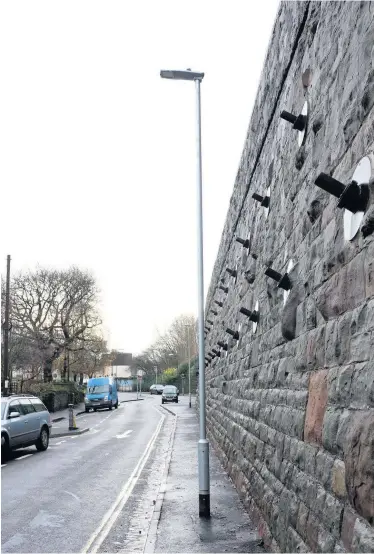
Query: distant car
x,y
101,393
170,394
156,389
25,421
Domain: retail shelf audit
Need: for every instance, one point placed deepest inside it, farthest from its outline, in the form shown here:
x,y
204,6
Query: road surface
x,y
68,498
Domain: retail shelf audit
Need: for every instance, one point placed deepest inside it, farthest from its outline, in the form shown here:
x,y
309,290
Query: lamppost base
x,y
204,505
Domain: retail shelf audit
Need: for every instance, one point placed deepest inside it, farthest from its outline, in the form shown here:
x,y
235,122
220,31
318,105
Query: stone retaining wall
x,y
290,409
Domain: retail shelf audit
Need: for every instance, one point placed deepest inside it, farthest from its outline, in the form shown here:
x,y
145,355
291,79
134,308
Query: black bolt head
x,y
243,242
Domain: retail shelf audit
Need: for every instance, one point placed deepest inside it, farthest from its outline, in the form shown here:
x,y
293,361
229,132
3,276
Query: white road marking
x,y
23,457
3,465
124,435
73,495
57,443
112,514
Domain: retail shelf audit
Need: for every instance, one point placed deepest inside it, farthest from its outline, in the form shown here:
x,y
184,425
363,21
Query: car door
x,y
42,413
16,427
32,420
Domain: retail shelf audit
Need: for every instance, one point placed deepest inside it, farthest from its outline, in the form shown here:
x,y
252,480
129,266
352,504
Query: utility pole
x,y
6,329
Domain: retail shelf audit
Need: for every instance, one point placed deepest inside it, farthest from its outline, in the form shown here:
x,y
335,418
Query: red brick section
x,y
315,410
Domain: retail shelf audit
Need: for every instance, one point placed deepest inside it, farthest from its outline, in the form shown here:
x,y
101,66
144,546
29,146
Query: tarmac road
x,y
57,501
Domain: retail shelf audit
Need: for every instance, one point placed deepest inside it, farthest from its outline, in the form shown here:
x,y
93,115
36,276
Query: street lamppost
x,y
203,445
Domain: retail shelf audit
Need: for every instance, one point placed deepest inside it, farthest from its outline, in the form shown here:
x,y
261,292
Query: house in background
x,y
120,369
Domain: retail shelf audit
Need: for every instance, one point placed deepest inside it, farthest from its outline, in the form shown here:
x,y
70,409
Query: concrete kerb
x,y
133,400
150,542
69,433
168,410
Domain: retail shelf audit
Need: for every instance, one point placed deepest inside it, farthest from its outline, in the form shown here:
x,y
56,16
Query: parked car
x,y
170,394
101,393
156,389
25,421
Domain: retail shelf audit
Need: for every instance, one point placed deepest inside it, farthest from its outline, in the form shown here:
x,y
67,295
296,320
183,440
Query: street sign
x,y
140,377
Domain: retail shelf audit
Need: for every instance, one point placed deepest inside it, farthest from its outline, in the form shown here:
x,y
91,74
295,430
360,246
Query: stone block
x,y
333,512
295,542
348,522
310,459
326,541
315,356
340,383
338,479
359,466
362,396
343,291
369,271
361,347
363,537
330,429
302,519
324,465
338,336
311,532
316,407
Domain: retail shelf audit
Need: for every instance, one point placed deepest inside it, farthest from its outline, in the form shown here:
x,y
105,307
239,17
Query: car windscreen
x,y
96,389
3,406
170,389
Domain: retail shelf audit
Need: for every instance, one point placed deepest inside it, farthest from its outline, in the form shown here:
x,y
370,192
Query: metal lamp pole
x,y
203,444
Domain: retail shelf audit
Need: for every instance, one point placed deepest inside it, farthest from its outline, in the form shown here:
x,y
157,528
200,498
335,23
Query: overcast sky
x,y
97,155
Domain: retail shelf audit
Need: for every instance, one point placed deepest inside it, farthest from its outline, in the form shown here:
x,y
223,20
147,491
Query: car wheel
x,y
116,405
95,409
177,401
111,407
43,441
5,450
87,410
162,401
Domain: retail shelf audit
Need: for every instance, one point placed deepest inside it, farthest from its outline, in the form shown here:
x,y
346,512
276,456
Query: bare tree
x,y
25,360
91,359
171,347
56,309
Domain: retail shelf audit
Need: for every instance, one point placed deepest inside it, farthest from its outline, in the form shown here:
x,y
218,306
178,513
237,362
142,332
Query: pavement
x,y
179,528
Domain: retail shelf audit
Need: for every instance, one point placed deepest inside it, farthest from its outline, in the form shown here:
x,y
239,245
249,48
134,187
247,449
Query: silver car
x,y
25,421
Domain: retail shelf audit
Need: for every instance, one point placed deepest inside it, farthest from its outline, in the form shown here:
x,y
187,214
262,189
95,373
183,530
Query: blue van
x,y
101,393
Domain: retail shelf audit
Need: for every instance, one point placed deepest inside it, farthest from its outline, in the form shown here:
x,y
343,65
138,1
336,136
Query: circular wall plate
x,y
267,209
255,323
287,292
301,134
352,221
